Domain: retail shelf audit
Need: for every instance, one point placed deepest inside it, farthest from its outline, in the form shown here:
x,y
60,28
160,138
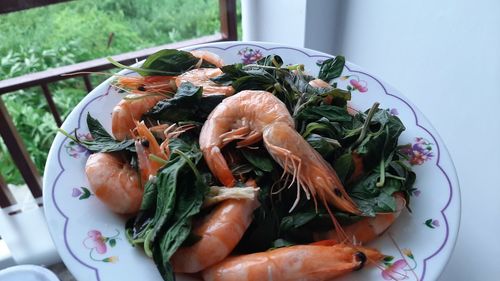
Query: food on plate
x,y
251,172
299,262
114,182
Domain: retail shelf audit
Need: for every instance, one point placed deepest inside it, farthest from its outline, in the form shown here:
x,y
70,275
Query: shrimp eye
x,y
337,192
361,258
145,143
141,88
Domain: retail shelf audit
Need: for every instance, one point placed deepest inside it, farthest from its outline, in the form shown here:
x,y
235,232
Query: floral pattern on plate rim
x,y
418,152
97,243
81,193
425,260
250,55
76,150
400,269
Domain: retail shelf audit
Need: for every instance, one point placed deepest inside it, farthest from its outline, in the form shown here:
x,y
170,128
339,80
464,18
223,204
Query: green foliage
x,y
187,104
179,197
62,34
101,141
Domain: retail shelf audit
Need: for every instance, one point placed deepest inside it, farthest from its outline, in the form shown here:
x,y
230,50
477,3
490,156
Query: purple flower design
x,y
417,192
249,55
76,150
81,193
431,223
394,112
76,192
418,152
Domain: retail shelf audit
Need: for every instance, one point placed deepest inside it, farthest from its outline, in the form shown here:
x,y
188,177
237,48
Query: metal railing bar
x,y
9,6
18,152
55,74
228,19
52,104
88,84
6,197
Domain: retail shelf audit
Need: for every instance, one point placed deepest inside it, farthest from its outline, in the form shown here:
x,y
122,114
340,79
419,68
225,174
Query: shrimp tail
x,y
218,165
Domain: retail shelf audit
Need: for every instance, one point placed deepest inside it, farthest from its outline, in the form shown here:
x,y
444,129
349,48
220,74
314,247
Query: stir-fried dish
x,y
248,172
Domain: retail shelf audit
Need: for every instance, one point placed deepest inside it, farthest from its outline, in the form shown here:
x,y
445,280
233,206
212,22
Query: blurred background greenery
x,y
76,31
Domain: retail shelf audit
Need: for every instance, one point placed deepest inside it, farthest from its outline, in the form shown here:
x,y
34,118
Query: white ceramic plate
x,y
27,272
91,240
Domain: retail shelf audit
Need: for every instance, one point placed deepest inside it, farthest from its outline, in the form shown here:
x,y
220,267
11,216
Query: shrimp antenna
x,y
340,231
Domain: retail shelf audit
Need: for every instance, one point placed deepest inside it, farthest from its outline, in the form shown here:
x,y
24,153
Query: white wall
x,y
277,21
445,56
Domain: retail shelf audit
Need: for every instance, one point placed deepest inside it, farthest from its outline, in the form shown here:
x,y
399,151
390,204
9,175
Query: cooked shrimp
x,y
146,84
145,92
319,83
220,232
201,77
118,184
301,262
250,116
146,145
209,57
129,110
114,182
367,229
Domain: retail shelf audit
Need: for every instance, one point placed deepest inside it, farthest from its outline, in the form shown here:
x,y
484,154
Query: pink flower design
x,y
359,85
395,271
96,241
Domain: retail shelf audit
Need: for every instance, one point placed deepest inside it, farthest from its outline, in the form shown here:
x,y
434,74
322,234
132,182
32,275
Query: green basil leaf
x,y
271,60
330,112
258,159
170,62
344,165
331,68
297,220
230,73
181,107
325,146
102,140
